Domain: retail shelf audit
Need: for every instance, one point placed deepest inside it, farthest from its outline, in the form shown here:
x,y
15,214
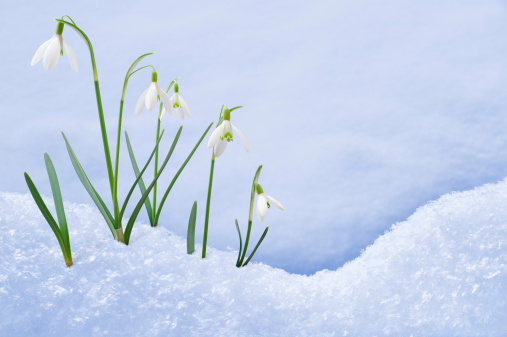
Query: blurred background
x,y
360,111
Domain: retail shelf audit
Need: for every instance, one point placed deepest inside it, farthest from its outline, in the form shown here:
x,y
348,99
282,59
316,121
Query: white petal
x,y
242,137
179,112
151,96
259,216
165,99
220,148
71,56
262,207
275,202
52,53
40,52
184,107
215,136
140,102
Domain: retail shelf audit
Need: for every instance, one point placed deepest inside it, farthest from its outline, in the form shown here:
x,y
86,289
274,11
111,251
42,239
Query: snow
x,y
442,272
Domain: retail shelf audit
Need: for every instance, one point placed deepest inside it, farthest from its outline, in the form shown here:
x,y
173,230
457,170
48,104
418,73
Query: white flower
x,y
179,104
150,97
262,203
52,49
223,134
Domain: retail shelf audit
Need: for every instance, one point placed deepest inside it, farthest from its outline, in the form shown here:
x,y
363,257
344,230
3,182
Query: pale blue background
x,y
360,111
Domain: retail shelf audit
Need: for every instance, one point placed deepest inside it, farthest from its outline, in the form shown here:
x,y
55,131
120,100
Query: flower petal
x,y
165,99
52,53
262,207
40,52
184,107
275,202
140,102
242,137
71,56
179,112
220,148
151,96
215,136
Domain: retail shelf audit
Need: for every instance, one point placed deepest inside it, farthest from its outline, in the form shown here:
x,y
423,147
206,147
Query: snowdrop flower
x,y
263,204
223,134
52,49
150,97
179,104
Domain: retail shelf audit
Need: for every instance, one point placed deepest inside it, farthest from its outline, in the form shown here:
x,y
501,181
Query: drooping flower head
x,y
179,103
223,134
52,49
150,97
263,202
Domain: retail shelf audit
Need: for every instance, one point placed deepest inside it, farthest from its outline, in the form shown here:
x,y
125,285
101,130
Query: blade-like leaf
x,y
90,189
191,229
47,215
172,83
178,174
236,107
256,246
133,217
130,72
240,244
142,187
139,176
57,197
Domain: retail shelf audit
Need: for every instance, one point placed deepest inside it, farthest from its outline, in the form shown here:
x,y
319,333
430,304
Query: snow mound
x,y
440,273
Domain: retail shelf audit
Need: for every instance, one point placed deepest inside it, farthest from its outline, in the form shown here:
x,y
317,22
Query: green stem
x,y
250,212
104,140
206,219
99,106
116,163
154,208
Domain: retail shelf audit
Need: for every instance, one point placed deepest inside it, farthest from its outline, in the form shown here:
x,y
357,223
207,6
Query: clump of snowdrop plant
x,y
262,207
50,51
166,105
218,141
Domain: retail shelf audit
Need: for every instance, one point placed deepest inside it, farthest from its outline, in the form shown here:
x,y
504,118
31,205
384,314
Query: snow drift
x,y
440,273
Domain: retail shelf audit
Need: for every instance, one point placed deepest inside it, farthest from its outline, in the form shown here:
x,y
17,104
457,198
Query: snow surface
x,y
440,273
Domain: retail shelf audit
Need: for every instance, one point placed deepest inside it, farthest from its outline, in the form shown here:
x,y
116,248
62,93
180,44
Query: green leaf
x,y
172,83
178,174
57,197
256,246
47,215
90,189
139,175
236,107
240,245
191,229
131,71
133,217
142,187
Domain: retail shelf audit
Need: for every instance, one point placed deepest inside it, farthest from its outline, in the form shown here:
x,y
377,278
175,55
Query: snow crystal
x,y
440,273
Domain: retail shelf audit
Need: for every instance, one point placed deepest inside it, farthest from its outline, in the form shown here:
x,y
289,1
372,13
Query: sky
x,y
359,111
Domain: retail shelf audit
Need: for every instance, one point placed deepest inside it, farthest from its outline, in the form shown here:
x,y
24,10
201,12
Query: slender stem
x,y
116,163
104,138
154,207
206,219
